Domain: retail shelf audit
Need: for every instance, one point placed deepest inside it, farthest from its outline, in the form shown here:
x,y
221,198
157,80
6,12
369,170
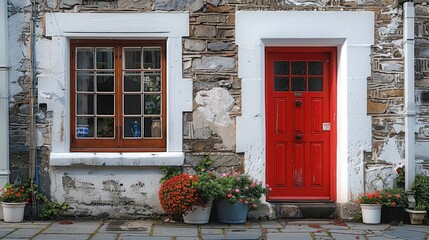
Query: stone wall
x,y
210,59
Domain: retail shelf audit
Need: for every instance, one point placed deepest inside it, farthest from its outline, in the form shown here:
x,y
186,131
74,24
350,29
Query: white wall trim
x,y
54,82
353,34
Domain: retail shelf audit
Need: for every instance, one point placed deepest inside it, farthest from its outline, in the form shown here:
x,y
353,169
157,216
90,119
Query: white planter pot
x,y
416,217
13,212
371,213
198,215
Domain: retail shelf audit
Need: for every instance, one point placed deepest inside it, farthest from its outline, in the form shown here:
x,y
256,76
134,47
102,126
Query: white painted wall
x,y
4,98
109,178
353,34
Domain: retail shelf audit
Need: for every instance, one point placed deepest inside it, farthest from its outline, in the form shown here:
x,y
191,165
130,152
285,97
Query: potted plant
x,y
418,213
239,194
370,204
393,206
13,200
189,196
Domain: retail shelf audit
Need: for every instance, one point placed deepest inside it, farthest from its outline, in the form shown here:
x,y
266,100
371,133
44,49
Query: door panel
x,y
299,118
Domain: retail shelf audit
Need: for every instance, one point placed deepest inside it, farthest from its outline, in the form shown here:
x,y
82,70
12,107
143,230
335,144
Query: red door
x,y
300,123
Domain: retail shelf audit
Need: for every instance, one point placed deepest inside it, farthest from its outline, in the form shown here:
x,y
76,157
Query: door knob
x,y
298,137
298,103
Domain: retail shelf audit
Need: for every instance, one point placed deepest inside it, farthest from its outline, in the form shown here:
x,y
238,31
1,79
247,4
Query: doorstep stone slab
x,y
83,227
164,231
295,236
61,236
349,231
298,229
333,226
38,224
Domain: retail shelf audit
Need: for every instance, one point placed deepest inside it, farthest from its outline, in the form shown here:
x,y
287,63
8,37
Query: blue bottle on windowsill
x,y
136,129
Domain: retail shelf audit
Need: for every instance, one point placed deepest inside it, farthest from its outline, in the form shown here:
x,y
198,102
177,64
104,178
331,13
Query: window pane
x,y
152,58
132,127
152,104
84,104
152,82
85,127
298,84
132,58
298,68
315,68
281,84
85,81
281,68
152,127
105,58
105,104
84,58
132,83
132,104
315,84
105,83
105,127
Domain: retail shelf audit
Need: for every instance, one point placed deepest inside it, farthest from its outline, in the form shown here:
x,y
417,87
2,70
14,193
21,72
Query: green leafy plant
x,y
204,165
421,188
420,206
169,172
239,187
51,210
208,189
393,197
370,198
15,193
400,179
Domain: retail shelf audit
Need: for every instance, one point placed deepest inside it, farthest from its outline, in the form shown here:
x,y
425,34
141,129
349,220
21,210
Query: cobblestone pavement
x,y
153,229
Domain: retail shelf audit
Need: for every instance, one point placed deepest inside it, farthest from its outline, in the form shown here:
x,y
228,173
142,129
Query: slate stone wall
x,y
210,60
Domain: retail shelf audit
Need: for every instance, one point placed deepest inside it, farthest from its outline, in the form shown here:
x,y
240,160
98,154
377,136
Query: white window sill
x,y
117,159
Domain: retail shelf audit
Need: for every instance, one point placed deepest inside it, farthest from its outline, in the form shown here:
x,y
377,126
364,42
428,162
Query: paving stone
x,y
4,232
24,233
271,224
212,231
272,230
38,224
163,231
406,234
104,236
348,231
243,233
187,238
238,226
137,237
379,238
214,225
333,226
212,237
62,236
298,229
418,228
137,225
82,227
346,236
306,222
289,236
370,227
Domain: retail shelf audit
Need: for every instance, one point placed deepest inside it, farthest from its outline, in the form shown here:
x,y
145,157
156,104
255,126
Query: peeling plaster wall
x,y
210,60
114,192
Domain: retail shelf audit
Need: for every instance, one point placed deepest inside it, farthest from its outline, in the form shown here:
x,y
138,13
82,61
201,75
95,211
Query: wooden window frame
x,y
118,143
